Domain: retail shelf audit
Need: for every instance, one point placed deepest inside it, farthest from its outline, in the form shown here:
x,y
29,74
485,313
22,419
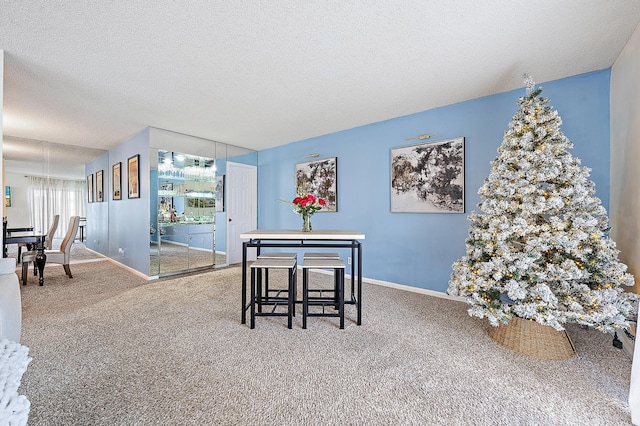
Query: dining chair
x,y
48,241
61,256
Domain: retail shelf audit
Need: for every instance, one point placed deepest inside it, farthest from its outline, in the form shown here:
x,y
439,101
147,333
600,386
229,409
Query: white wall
x,y
18,213
625,177
625,155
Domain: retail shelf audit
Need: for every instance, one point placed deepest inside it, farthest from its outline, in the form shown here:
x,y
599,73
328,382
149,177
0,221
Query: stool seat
x,y
319,263
258,299
336,298
320,255
277,255
274,263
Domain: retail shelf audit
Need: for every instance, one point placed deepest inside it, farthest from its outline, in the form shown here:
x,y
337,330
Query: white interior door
x,y
242,214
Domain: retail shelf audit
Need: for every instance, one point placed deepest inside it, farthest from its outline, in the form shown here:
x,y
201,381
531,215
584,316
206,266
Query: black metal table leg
x,y
253,299
359,283
244,283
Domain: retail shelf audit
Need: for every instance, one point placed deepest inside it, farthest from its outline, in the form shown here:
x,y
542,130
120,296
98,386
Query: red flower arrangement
x,y
307,205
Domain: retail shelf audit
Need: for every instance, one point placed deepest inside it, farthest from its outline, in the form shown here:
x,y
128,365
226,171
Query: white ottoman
x,y
10,301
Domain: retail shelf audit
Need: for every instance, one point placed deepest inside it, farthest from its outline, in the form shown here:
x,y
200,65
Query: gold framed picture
x,y
116,178
133,176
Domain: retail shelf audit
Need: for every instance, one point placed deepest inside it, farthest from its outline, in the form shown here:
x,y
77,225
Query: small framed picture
x,y
117,181
133,176
99,187
90,188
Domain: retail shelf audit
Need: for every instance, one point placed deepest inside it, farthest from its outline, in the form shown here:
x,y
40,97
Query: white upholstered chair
x,y
61,256
48,241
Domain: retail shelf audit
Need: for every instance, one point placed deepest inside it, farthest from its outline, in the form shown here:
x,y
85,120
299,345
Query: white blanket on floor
x,y
14,408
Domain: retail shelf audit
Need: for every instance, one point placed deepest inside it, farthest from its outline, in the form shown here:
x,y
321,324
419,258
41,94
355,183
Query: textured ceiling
x,y
261,73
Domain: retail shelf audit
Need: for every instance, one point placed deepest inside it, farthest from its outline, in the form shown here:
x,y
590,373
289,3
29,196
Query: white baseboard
x,y
133,271
402,287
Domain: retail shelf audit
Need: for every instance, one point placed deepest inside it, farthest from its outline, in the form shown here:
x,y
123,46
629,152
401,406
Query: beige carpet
x,y
110,348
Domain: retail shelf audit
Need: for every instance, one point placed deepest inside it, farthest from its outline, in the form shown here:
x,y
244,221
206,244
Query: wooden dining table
x,y
30,237
325,239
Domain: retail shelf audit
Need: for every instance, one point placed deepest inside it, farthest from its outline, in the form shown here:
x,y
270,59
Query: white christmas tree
x,y
540,247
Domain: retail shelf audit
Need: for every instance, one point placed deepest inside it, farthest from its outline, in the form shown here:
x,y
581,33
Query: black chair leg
x,y
67,270
25,266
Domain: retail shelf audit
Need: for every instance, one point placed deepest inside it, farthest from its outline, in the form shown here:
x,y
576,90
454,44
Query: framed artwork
x,y
133,176
99,187
428,177
7,196
90,188
218,194
116,173
320,178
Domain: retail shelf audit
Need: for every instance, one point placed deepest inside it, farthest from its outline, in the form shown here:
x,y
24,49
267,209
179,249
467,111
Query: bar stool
x,y
274,255
257,267
323,255
336,300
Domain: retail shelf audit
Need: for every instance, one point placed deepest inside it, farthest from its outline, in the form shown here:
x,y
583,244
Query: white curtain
x,y
49,197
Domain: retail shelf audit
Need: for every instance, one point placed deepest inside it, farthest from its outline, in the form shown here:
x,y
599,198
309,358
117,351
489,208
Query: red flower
x,y
297,200
311,198
321,201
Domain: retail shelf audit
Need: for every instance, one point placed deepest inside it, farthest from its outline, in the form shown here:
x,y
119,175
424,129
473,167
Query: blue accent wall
x,y
418,249
97,230
129,217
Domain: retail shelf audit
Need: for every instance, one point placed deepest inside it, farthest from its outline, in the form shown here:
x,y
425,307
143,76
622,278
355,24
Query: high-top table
x,y
330,239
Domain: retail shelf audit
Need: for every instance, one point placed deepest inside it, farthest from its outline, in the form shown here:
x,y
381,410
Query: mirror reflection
x,y
188,196
45,179
185,213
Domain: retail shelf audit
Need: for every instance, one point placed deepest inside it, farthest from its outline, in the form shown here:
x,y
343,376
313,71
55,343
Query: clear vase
x,y
306,223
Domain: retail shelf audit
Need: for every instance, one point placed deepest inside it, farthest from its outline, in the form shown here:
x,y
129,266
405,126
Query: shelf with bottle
x,y
179,176
180,190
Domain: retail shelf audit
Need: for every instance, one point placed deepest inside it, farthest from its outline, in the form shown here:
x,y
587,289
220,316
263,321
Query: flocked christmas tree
x,y
539,249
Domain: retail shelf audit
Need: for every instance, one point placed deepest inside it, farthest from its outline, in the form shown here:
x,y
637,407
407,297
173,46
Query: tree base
x,y
532,339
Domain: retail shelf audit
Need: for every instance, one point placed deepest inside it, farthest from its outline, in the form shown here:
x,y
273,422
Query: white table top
x,y
289,234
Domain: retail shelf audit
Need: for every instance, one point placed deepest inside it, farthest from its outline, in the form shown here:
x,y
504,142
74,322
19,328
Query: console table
x,y
330,239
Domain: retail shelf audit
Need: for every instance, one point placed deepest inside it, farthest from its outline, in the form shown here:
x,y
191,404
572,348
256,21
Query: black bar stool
x,y
274,255
257,297
336,297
